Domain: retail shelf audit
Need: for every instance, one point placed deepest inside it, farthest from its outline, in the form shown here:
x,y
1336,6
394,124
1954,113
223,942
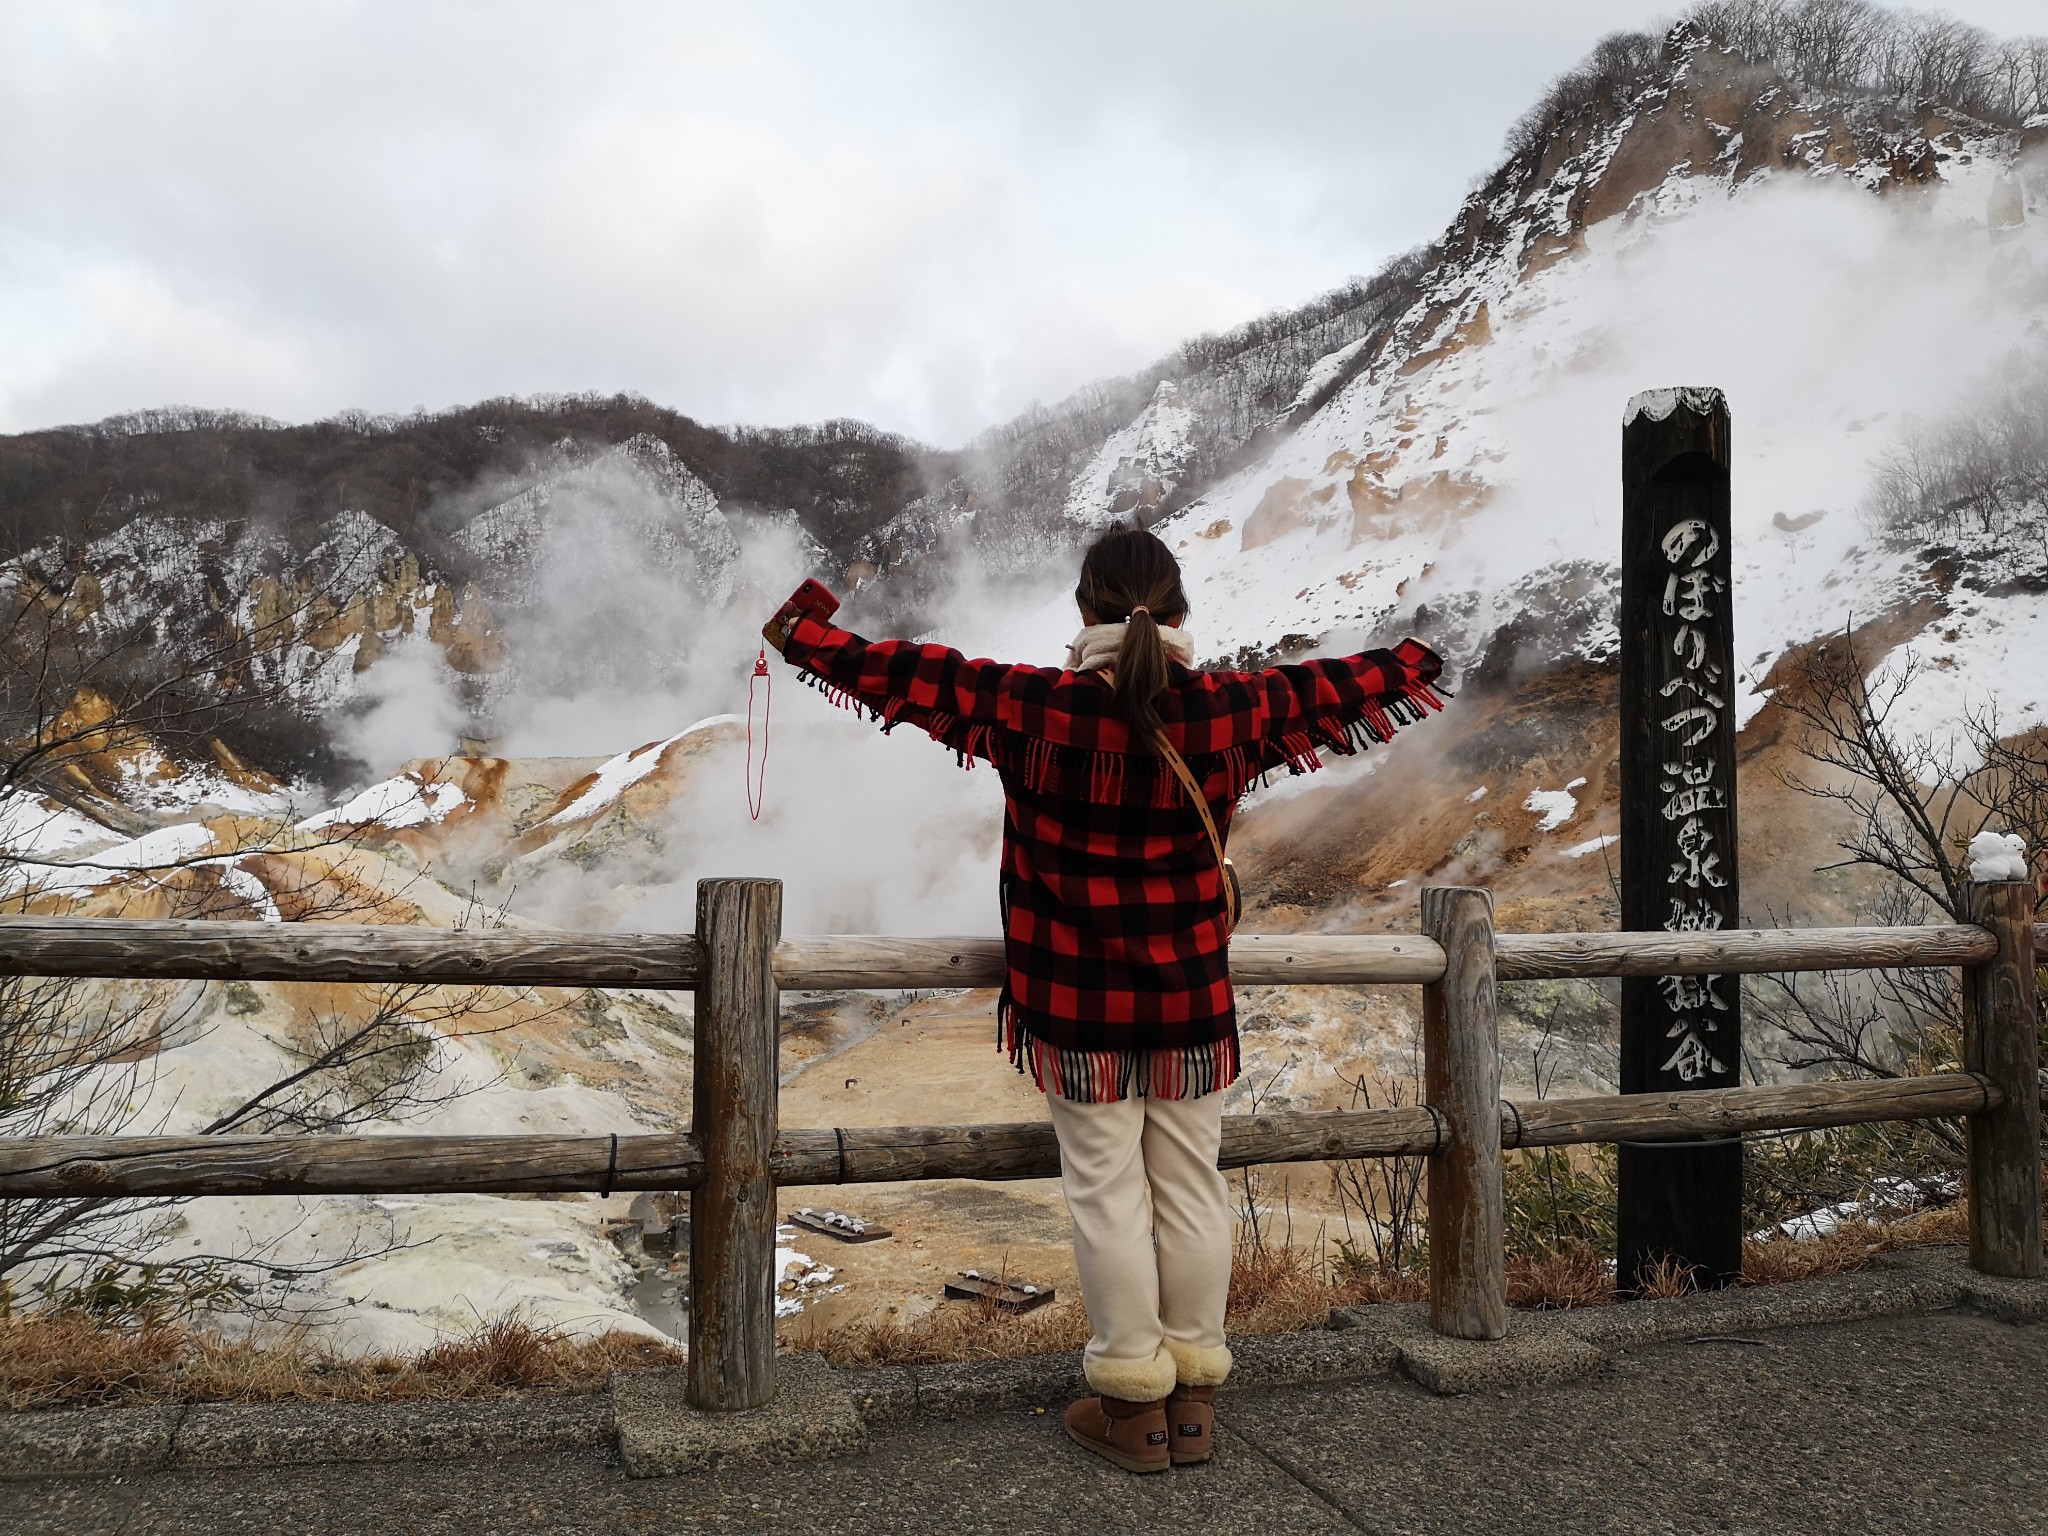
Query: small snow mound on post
x,y
1657,404
1998,856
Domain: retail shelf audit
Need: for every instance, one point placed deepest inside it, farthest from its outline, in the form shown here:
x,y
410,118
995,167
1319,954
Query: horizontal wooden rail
x,y
1731,1111
209,951
829,962
343,1165
834,961
246,951
737,1156
1553,956
127,1166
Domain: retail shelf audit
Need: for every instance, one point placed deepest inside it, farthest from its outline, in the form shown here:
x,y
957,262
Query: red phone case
x,y
814,598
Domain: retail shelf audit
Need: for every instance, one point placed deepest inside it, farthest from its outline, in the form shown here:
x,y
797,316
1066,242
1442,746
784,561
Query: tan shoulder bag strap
x,y
1233,897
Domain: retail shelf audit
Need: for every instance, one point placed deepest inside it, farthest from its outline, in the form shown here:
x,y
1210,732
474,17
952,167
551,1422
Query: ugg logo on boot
x,y
1157,1437
1194,1431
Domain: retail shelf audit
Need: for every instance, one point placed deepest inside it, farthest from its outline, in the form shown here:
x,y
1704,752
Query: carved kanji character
x,y
1707,797
1692,1060
1680,538
1696,863
1698,723
1684,993
1692,914
1686,594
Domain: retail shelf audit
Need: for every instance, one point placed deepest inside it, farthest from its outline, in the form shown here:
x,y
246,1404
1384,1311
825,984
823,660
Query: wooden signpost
x,y
1680,1203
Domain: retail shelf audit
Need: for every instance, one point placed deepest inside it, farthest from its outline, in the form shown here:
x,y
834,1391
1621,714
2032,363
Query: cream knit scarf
x,y
1097,646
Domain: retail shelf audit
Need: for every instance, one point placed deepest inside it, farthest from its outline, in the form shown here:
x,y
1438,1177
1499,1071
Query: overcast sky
x,y
924,214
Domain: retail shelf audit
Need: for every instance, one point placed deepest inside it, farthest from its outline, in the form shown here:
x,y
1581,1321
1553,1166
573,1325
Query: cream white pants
x,y
1151,1239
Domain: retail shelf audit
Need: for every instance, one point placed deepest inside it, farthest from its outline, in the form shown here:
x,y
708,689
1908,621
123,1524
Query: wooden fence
x,y
736,1155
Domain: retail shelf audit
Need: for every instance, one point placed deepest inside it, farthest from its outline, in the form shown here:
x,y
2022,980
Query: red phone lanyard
x,y
757,784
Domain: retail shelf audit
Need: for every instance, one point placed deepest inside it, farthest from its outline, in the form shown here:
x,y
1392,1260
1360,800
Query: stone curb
x,y
820,1411
812,1417
2010,1301
91,1441
83,1442
1543,1349
296,1434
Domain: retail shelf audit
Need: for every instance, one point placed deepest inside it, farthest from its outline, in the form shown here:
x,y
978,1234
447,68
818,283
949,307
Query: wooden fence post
x,y
732,1212
2000,1020
1461,1082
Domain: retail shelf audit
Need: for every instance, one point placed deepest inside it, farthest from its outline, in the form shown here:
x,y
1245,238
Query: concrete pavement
x,y
1902,1424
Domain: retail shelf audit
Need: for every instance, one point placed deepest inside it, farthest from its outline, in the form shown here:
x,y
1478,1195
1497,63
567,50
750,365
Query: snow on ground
x,y
152,782
448,1262
34,828
462,1258
1989,650
1591,845
1887,1200
797,1274
1480,481
1554,806
404,801
250,888
627,769
174,847
142,861
1137,464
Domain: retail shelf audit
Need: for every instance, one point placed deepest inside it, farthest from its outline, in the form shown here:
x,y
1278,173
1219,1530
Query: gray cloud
x,y
925,214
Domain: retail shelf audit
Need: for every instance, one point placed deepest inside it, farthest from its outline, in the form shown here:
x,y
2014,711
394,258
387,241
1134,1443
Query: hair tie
x,y
1138,608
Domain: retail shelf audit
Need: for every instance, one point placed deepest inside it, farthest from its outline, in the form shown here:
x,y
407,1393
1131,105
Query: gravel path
x,y
1917,1424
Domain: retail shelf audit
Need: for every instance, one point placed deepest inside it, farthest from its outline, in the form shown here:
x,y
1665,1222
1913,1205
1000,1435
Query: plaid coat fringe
x,y
1118,971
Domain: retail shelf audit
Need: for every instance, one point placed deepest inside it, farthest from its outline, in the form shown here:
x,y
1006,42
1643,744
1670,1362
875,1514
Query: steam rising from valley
x,y
1839,323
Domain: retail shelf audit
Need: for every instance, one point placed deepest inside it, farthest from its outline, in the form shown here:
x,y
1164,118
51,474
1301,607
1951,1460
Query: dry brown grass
x,y
1574,1276
71,1359
1849,1246
1272,1290
1281,1290
957,1330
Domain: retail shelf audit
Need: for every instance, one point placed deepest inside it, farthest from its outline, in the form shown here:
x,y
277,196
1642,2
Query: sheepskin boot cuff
x,y
1134,1381
1199,1365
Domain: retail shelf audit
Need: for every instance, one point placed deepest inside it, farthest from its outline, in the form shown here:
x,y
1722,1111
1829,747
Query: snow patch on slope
x,y
1138,466
627,769
404,801
1456,490
1554,807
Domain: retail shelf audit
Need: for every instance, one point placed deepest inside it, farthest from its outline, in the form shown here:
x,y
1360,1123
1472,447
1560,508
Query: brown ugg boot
x,y
1191,1424
1133,1435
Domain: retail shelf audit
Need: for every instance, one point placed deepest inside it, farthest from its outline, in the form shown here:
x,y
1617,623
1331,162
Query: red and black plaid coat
x,y
1113,908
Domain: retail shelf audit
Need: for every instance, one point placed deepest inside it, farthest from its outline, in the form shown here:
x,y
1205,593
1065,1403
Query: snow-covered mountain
x,y
1840,265
1834,258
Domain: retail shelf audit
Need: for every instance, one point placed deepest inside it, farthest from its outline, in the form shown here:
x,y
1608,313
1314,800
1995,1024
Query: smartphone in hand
x,y
812,598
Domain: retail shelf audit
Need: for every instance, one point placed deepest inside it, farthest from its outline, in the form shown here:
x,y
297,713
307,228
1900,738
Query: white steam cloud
x,y
637,613
1833,318
407,705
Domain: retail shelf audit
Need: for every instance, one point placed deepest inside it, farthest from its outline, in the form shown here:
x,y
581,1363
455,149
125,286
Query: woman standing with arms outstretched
x,y
1120,772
